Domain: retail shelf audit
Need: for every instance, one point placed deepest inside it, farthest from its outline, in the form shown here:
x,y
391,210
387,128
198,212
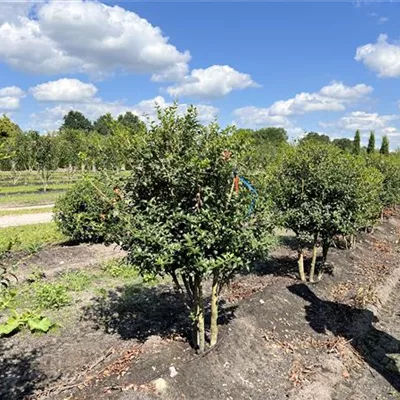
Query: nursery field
x,y
115,335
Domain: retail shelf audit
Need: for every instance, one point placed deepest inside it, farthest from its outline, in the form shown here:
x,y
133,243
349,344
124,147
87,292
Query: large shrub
x,y
320,192
179,216
389,166
81,213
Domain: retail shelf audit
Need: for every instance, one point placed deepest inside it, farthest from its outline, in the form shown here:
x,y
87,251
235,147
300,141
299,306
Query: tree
x,y
320,192
344,144
357,143
70,145
47,158
179,217
263,145
104,124
389,166
314,136
384,146
76,120
371,143
131,122
8,128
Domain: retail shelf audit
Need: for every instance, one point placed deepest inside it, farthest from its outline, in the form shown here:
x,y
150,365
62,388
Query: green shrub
x,y
81,213
51,295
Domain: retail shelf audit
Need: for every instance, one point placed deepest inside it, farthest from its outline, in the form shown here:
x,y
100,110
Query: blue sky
x,y
326,67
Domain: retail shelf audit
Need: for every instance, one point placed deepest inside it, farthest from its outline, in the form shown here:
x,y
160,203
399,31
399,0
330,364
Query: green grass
x,y
28,199
33,188
76,281
30,238
25,211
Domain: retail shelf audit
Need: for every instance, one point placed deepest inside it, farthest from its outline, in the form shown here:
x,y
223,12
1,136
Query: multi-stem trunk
x,y
314,258
300,263
200,314
214,310
325,249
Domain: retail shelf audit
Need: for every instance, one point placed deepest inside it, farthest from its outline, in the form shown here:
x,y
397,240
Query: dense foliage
x,y
179,217
320,192
81,212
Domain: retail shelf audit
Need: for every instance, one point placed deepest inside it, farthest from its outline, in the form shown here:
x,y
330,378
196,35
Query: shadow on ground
x,y
19,376
379,349
136,312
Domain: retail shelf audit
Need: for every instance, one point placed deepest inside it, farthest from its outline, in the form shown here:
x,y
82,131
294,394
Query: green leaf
x,y
42,324
12,325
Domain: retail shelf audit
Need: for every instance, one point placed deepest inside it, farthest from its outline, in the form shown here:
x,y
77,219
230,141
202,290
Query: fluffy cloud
x,y
333,97
364,121
89,37
51,117
212,82
10,98
68,90
337,90
381,57
254,117
11,10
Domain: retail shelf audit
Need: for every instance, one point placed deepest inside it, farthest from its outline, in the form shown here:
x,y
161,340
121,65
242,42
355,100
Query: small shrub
x,y
76,280
118,268
81,212
51,295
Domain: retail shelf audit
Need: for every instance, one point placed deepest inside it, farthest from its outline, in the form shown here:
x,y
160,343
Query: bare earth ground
x,y
338,339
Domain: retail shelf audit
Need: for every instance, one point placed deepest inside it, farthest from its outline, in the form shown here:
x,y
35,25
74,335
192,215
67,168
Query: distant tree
x,y
131,121
47,157
104,124
314,136
27,149
76,120
8,128
344,144
357,143
263,145
271,135
384,146
371,143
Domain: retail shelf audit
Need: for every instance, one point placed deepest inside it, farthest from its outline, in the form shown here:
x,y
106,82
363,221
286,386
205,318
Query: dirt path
x,y
2,208
25,219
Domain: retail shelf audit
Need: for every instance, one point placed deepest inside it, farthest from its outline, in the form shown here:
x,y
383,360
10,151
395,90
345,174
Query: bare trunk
x,y
300,262
314,258
325,249
214,310
200,319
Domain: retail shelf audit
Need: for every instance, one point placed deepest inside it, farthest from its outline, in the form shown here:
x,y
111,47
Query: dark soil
x,y
279,339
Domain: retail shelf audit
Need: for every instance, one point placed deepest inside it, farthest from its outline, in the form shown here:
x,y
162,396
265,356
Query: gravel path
x,y
25,219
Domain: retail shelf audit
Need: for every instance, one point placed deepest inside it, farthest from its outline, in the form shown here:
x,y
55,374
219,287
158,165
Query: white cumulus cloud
x,y
381,57
212,82
88,37
334,97
10,98
52,117
365,121
68,90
